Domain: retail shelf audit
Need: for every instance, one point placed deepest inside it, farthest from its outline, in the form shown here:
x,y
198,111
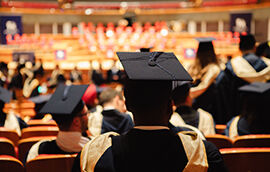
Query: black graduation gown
x,y
243,128
113,120
189,115
150,150
50,147
16,82
226,85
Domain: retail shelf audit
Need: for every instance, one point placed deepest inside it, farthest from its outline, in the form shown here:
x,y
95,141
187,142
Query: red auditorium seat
x,y
51,163
254,140
219,140
25,145
39,131
9,134
246,159
10,164
6,147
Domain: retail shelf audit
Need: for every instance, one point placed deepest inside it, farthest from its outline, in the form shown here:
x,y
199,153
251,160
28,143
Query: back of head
x,y
107,95
180,93
147,95
254,107
65,104
247,42
64,121
206,54
263,50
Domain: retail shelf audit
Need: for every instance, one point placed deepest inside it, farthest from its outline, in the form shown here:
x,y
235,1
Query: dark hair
x,y
247,42
145,95
64,121
254,108
180,94
206,54
263,50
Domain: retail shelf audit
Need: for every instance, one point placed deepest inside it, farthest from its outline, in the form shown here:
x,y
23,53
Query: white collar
x,y
108,108
70,141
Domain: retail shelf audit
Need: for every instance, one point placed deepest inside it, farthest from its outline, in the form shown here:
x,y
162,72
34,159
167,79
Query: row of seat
x,y
255,140
28,132
236,159
24,145
42,163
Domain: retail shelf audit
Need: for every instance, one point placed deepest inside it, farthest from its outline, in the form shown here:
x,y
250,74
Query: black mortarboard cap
x,y
5,95
145,49
256,87
153,66
205,39
64,100
40,99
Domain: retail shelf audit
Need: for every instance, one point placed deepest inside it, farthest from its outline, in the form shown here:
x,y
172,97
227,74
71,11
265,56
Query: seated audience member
x,y
16,80
70,114
75,75
263,50
9,120
54,79
253,118
38,67
3,73
150,145
31,84
185,114
240,71
112,117
204,72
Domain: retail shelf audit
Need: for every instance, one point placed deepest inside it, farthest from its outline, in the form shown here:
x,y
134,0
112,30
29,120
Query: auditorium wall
x,y
260,20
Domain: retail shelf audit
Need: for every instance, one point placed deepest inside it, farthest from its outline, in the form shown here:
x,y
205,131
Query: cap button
x,y
152,62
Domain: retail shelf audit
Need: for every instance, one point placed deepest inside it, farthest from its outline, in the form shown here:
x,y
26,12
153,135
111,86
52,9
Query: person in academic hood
x,y
253,117
204,71
70,114
239,71
263,50
186,114
112,117
9,120
151,145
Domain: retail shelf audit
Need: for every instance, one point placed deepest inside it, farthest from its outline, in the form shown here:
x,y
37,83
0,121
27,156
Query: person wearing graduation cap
x,y
239,71
70,113
185,114
9,120
151,145
253,117
263,50
113,116
204,72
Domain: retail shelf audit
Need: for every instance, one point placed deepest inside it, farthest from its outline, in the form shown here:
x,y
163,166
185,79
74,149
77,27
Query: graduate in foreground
x,y
151,145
